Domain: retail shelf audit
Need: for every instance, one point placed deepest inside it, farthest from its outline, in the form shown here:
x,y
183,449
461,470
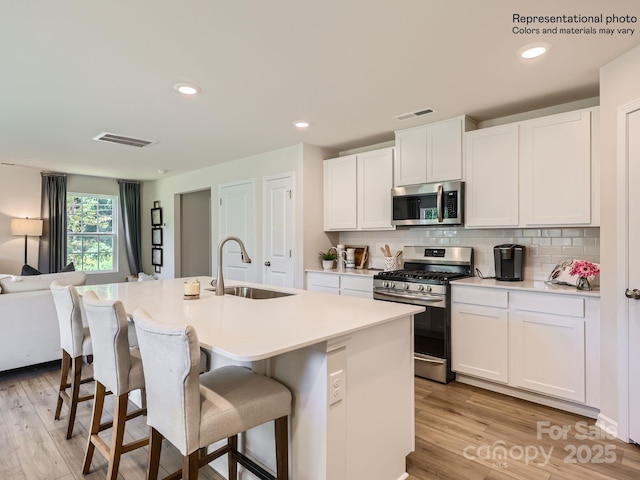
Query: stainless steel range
x,y
425,281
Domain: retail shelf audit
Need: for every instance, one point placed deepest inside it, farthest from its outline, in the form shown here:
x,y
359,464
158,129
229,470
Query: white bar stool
x,y
118,368
75,342
194,411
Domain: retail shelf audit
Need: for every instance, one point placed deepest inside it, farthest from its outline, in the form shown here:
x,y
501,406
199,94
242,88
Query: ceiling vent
x,y
416,114
122,140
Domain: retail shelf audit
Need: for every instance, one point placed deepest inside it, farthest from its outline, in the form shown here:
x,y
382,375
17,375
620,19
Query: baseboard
x,y
566,405
609,426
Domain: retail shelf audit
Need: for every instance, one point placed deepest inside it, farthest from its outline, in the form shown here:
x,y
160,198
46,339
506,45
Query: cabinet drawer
x,y
323,280
551,304
487,297
364,284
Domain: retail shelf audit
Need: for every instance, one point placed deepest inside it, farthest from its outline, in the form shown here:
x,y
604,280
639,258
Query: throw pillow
x,y
69,268
28,270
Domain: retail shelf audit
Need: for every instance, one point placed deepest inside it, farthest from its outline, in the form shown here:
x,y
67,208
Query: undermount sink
x,y
254,293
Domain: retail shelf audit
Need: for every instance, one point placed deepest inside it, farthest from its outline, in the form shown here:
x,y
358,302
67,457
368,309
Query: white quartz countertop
x,y
249,330
346,271
527,285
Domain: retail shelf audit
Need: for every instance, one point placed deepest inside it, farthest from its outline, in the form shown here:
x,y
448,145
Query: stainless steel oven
x,y
425,281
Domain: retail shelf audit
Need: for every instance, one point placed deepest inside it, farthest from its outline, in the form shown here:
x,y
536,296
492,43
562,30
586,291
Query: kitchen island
x,y
348,362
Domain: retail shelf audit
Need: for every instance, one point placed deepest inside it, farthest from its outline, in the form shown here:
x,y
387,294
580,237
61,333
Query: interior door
x,y
237,218
633,271
278,231
195,233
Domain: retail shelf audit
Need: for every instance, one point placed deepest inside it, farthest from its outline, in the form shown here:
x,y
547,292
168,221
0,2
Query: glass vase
x,y
583,283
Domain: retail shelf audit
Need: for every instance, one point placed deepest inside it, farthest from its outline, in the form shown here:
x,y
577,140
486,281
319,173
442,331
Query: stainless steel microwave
x,y
428,204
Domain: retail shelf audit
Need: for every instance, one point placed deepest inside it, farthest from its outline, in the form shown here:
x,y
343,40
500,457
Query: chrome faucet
x,y
243,254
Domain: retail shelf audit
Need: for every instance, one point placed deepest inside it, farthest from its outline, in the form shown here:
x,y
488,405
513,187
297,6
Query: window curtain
x,y
131,220
53,211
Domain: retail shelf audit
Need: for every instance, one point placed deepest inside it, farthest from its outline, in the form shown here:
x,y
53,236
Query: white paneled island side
x,y
348,362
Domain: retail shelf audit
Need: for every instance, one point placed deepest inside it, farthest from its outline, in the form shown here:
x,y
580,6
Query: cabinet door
x,y
492,188
556,169
323,282
444,151
547,353
479,341
410,165
340,195
375,180
356,286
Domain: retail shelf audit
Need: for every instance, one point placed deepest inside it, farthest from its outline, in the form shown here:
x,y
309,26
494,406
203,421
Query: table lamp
x,y
29,227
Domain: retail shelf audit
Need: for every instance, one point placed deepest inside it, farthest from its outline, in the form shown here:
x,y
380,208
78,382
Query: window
x,y
92,232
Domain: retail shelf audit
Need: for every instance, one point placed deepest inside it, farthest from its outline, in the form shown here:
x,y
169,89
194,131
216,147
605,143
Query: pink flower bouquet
x,y
584,269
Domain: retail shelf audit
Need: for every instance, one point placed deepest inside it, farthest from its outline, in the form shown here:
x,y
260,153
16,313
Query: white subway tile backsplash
x,y
544,246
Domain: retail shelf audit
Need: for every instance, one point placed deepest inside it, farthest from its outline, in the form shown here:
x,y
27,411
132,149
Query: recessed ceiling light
x,y
187,88
301,124
533,50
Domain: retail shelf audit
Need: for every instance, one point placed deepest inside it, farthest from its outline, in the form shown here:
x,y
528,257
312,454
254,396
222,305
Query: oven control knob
x,y
421,287
406,286
392,285
385,284
428,288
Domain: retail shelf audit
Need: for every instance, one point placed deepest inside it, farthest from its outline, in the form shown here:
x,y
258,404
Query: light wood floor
x,y
459,428
451,420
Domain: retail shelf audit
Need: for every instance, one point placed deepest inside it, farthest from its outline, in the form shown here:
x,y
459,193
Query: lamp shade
x,y
26,226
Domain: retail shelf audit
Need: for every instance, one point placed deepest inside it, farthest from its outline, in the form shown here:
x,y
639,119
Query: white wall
x,y
304,162
618,86
20,190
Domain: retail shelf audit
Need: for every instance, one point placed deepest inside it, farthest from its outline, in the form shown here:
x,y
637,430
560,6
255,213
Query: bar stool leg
x,y
155,447
64,380
98,405
282,448
117,437
76,373
190,466
231,459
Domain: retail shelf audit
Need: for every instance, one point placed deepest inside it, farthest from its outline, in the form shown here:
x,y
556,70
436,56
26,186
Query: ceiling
x,y
71,69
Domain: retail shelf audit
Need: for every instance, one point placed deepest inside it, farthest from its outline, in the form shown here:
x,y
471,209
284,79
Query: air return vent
x,y
417,113
122,140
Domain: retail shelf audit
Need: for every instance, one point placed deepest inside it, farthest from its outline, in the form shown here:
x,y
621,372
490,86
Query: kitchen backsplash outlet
x,y
544,246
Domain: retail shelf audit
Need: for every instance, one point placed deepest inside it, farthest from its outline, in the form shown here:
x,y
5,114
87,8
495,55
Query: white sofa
x,y
28,323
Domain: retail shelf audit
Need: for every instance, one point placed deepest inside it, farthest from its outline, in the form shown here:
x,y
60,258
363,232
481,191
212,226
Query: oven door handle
x,y
426,359
421,300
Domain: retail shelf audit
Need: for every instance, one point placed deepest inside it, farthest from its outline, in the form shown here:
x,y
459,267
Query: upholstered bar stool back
x,y
193,411
118,368
75,342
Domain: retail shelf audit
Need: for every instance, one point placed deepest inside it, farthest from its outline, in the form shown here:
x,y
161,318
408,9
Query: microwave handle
x,y
439,205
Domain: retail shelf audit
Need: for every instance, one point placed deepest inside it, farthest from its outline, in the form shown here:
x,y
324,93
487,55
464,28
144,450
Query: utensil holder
x,y
390,264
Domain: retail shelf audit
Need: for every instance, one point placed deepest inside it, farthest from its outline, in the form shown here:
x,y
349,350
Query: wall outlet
x,y
336,387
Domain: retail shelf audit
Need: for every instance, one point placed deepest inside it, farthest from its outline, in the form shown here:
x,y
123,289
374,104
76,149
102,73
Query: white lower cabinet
x,y
341,284
479,339
541,342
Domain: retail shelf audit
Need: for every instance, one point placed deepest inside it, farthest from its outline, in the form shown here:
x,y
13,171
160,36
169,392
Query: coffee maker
x,y
509,262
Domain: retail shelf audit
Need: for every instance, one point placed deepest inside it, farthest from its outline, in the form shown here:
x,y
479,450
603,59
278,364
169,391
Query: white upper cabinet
x,y
357,191
556,169
540,172
340,194
492,177
430,153
375,180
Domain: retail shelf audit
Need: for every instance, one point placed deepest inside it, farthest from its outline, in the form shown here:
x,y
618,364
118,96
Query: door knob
x,y
267,263
634,294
